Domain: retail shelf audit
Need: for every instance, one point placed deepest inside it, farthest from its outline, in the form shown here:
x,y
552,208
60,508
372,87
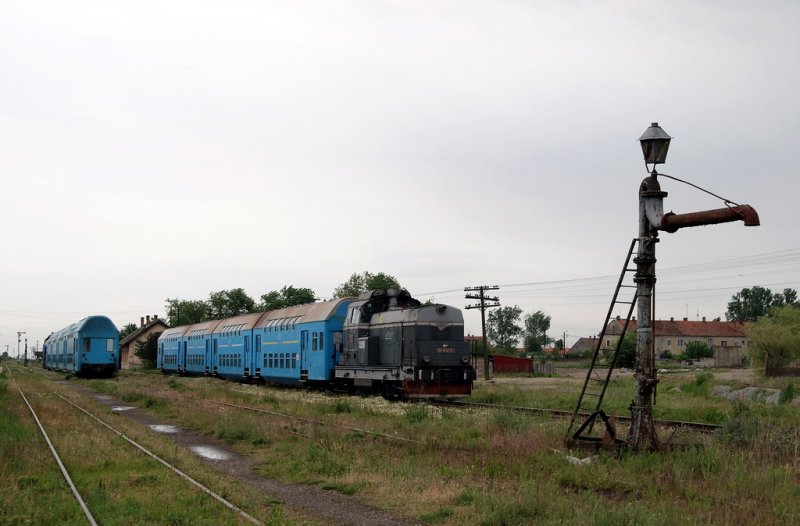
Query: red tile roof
x,y
702,329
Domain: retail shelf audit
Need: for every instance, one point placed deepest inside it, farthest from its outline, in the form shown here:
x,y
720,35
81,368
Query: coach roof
x,y
309,312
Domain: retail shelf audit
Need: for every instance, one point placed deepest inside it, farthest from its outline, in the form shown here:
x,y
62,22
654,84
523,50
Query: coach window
x,y
321,346
110,345
314,339
86,345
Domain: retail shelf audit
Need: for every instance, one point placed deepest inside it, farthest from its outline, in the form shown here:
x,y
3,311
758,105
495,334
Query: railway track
x,y
89,516
701,427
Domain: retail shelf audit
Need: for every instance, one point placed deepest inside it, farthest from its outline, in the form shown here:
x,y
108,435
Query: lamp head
x,y
655,144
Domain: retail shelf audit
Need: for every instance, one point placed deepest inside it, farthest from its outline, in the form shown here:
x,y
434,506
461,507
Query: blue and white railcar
x,y
232,346
196,356
88,347
170,345
297,345
289,346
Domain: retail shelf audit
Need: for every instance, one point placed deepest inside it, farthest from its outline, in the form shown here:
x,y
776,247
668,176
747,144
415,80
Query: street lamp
x,y
655,144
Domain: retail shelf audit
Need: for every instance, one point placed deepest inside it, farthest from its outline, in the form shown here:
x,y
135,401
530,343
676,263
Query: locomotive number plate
x,y
447,350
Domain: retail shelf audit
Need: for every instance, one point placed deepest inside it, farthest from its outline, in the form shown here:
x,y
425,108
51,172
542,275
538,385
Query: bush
x,y
788,394
698,350
700,386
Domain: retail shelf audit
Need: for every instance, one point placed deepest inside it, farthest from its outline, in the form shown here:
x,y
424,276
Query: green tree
x,y
127,330
697,351
288,296
230,303
186,312
358,283
502,327
147,350
776,339
751,304
627,352
535,332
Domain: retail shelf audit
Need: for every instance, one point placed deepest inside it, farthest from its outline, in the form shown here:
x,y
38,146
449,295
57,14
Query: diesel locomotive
x,y
383,342
89,347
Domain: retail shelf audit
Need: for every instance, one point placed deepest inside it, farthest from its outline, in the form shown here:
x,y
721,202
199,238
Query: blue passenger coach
x,y
290,346
298,344
88,347
169,349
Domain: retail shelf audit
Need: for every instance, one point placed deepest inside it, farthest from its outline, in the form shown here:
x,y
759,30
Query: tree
x,y
627,352
358,283
127,330
502,327
147,350
776,339
286,297
697,351
751,304
535,334
230,303
186,312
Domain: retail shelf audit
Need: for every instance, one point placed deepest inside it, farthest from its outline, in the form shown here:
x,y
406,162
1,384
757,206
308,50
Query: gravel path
x,y
328,507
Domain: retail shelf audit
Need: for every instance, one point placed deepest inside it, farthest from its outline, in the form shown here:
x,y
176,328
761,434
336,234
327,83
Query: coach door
x,y
207,359
304,362
246,363
214,362
184,355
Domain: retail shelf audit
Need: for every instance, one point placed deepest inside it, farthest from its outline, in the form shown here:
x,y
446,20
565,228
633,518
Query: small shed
x,y
127,347
510,364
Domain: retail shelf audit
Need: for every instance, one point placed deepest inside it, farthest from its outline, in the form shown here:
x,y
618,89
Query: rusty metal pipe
x,y
672,222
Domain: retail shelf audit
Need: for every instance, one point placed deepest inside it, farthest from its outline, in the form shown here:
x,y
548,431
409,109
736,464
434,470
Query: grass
x,y
479,466
119,484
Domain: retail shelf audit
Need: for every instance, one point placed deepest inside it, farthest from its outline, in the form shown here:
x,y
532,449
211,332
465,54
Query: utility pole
x,y
26,352
481,296
19,340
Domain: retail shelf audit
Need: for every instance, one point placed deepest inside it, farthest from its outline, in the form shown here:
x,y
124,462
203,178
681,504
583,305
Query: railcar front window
x,y
110,345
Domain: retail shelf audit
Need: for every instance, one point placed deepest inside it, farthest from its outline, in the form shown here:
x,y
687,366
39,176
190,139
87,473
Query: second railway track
x,y
74,488
560,413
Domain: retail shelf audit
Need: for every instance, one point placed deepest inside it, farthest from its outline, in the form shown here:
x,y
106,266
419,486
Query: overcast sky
x,y
169,149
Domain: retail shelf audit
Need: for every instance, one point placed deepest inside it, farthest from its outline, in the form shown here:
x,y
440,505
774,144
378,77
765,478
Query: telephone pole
x,y
19,340
481,296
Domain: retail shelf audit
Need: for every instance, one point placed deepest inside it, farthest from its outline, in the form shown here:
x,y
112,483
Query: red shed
x,y
508,364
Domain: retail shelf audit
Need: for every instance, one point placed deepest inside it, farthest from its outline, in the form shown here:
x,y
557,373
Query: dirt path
x,y
327,506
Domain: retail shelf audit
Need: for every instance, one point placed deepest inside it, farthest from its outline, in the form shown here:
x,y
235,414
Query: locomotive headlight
x,y
426,359
465,359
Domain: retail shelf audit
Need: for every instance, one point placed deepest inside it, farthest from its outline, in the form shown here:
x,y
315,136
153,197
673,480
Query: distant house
x,y
127,347
584,347
727,339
